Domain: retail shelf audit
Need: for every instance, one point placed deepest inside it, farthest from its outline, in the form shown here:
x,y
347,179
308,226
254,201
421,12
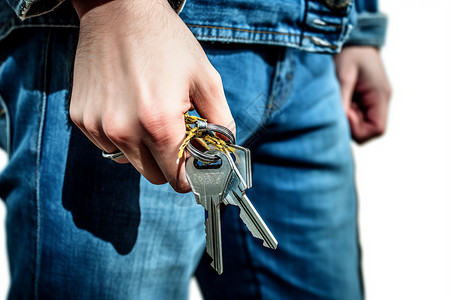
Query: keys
x,y
217,177
243,163
208,182
238,183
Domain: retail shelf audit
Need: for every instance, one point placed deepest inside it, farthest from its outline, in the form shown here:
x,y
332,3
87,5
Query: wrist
x,y
83,7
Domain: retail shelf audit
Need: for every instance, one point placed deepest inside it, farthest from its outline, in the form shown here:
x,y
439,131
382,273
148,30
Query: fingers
x,y
210,102
96,135
132,86
347,76
165,131
365,91
163,137
128,137
114,138
368,117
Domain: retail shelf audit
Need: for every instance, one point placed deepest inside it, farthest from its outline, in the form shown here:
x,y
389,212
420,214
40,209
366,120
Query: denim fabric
x,y
30,8
371,26
79,226
310,25
82,227
306,25
288,112
370,30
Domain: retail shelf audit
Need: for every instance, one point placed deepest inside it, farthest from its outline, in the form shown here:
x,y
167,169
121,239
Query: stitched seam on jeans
x,y
244,30
38,163
282,43
221,38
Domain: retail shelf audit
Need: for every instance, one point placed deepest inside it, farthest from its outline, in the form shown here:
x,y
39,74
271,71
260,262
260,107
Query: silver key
x,y
235,195
208,184
243,163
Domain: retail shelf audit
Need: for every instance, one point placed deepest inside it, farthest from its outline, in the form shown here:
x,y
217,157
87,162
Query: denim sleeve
x,y
29,8
370,29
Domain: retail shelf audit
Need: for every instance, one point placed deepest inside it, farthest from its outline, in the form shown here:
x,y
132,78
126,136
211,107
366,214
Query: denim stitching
x,y
6,24
244,30
253,41
38,162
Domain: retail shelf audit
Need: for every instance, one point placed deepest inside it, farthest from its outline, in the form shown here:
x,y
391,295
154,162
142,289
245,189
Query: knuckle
x,y
91,126
159,129
75,116
215,85
117,132
379,129
151,119
215,76
345,79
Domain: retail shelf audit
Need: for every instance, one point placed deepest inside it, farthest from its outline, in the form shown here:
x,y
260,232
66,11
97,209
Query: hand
x,y
137,70
365,91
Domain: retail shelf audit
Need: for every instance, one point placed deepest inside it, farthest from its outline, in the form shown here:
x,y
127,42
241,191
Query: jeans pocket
x,y
4,126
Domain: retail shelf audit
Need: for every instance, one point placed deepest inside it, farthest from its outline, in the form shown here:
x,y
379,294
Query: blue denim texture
x,y
82,227
287,107
79,226
308,25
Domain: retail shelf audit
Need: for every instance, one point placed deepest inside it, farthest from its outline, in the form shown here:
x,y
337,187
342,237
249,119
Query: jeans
x,y
83,227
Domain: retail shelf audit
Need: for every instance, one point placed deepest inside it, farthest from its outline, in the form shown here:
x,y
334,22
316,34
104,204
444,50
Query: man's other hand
x,y
365,91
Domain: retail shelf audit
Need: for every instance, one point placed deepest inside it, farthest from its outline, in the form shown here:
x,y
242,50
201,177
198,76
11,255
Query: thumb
x,y
347,77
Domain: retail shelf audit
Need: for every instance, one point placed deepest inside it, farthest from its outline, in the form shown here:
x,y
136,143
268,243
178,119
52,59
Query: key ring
x,y
223,131
202,125
211,128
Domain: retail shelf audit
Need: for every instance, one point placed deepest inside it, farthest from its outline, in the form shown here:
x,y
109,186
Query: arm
x,y
137,70
365,88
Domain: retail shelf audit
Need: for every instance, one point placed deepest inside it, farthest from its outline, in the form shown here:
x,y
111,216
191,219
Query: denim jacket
x,y
310,25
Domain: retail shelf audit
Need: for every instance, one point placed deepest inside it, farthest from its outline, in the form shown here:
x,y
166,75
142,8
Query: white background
x,y
404,177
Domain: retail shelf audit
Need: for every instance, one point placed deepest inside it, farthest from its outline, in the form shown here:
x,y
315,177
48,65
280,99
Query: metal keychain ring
x,y
194,152
208,157
223,131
